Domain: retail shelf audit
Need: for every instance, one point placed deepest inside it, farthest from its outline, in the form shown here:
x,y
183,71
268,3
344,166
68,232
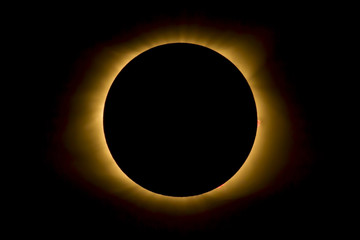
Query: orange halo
x,y
85,139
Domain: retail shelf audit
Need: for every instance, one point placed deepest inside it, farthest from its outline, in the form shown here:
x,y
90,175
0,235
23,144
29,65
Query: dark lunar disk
x,y
180,119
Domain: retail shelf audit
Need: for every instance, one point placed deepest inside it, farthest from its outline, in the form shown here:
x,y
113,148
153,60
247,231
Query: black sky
x,y
53,39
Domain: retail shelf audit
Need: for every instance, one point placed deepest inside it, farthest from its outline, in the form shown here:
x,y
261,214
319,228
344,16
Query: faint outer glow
x,y
84,136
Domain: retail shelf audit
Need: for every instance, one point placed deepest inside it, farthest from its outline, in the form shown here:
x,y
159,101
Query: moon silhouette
x,y
180,119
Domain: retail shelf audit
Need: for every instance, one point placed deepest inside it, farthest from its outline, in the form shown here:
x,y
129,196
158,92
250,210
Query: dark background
x,y
50,39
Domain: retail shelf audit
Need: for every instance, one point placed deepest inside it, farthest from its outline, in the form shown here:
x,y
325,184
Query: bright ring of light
x,y
84,135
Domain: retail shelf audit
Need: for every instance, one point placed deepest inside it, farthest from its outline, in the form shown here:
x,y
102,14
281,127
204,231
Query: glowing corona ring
x,y
84,135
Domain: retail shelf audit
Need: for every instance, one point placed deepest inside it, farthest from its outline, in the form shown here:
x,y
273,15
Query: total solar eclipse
x,y
180,119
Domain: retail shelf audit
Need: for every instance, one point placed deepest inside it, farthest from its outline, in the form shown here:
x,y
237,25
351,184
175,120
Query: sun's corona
x,y
84,133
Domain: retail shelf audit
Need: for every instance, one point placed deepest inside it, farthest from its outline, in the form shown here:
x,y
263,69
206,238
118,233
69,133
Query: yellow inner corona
x,y
84,135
